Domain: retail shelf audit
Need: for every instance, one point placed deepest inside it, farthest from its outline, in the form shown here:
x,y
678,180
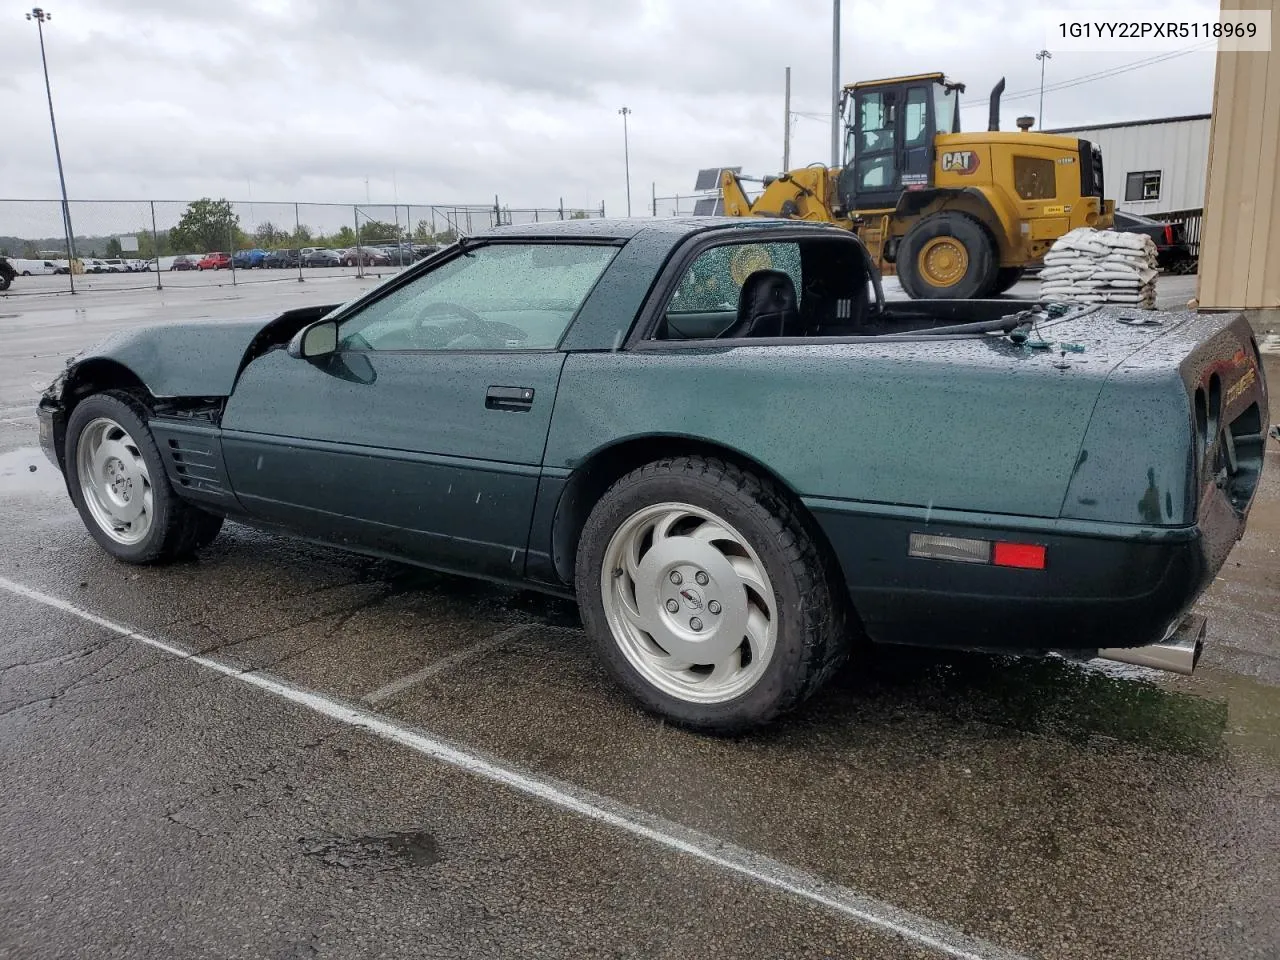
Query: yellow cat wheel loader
x,y
955,215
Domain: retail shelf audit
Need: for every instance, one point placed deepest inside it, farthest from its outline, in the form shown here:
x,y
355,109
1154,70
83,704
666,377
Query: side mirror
x,y
317,340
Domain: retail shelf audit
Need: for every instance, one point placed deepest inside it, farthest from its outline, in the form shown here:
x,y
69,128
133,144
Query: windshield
x,y
1134,218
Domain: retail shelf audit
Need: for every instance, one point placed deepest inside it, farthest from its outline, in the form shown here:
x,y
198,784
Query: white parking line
x,y
445,663
940,937
1269,343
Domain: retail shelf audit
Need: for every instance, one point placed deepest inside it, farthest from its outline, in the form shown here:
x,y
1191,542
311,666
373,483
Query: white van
x,y
34,268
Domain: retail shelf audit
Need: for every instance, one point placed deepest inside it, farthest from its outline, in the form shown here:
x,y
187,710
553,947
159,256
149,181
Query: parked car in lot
x,y
35,268
1173,253
399,255
186,262
248,259
368,256
277,259
322,258
718,436
214,261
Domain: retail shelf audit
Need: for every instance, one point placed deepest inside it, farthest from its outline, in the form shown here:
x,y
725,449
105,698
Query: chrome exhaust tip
x,y
1178,652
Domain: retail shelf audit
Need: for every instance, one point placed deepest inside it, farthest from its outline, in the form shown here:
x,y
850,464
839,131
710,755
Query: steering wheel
x,y
483,332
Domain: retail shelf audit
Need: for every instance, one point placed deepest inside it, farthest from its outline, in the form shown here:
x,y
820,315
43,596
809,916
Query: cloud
x,y
456,102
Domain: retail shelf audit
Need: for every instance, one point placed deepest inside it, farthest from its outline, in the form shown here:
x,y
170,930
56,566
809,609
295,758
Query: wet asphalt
x,y
153,807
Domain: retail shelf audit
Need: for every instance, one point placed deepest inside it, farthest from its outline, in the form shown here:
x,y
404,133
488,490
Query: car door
x,y
422,434
891,145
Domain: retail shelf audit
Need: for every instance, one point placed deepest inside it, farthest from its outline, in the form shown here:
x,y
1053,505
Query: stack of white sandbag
x,y
1101,266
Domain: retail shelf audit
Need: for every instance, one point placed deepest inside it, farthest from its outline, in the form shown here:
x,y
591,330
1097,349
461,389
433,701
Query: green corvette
x,y
718,436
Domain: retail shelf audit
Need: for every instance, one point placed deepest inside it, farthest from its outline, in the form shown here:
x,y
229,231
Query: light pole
x,y
1042,56
626,154
786,125
41,17
835,83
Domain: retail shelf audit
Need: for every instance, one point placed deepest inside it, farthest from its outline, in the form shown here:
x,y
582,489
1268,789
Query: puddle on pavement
x,y
27,470
1038,697
378,852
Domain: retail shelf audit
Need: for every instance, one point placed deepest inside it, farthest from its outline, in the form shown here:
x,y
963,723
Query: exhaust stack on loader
x,y
993,114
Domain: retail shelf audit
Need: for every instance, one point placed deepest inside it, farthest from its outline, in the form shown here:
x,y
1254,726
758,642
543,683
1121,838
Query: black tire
x,y
208,526
178,529
26,273
979,273
4,281
811,600
1006,277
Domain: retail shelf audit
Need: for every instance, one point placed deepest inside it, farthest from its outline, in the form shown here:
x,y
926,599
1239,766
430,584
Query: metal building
x,y
1152,167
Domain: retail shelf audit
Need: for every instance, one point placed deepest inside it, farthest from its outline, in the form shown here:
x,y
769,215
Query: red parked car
x,y
215,261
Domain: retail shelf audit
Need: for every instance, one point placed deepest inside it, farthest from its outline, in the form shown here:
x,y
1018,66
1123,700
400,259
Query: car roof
x,y
604,228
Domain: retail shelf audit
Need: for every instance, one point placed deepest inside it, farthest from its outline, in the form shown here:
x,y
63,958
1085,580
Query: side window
x,y
1144,185
1034,178
706,302
502,296
915,117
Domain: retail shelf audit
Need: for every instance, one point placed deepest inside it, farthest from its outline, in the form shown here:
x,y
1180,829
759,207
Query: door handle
x,y
509,398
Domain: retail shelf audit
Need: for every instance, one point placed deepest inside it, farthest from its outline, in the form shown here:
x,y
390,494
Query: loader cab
x,y
890,127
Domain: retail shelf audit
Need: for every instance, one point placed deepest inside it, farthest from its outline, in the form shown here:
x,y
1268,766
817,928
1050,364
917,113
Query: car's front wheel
x,y
119,486
707,596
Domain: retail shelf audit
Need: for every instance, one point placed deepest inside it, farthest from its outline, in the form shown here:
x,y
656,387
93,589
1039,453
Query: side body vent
x,y
192,456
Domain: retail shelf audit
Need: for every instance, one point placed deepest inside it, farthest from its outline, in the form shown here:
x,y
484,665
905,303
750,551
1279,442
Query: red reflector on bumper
x,y
1028,556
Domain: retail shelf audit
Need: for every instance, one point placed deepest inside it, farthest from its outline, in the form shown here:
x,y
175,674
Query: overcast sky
x,y
438,101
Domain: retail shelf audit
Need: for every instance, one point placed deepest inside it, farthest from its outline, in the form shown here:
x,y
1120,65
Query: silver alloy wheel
x,y
689,603
114,481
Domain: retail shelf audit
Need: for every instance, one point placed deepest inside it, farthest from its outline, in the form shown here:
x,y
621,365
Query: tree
x,y
346,237
301,237
207,225
268,235
578,215
376,230
113,247
30,251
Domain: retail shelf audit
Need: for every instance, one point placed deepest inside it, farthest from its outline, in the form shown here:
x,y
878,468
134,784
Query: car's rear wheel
x,y
119,486
707,596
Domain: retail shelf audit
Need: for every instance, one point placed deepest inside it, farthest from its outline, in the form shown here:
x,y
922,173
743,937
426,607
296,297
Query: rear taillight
x,y
999,553
1024,556
1168,234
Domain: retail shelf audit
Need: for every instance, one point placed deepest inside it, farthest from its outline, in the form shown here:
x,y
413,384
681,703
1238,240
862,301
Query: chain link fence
x,y
699,204
136,244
